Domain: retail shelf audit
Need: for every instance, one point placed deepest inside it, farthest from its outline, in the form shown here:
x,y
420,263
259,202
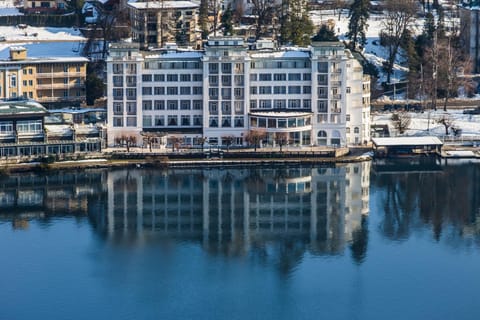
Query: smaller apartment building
x,y
46,80
316,96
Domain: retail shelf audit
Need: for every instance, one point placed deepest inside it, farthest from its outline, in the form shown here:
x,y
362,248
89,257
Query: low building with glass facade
x,y
317,96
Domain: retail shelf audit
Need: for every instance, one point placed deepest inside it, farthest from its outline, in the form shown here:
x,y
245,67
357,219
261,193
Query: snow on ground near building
x,y
14,34
7,8
44,49
373,51
426,123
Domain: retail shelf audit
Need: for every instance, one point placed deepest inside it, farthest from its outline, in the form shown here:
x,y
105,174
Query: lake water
x,y
357,241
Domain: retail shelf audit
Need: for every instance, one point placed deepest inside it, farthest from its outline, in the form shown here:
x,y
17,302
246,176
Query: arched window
x,y
336,137
322,138
356,130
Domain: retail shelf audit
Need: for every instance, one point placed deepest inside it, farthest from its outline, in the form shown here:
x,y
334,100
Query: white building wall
x,y
330,80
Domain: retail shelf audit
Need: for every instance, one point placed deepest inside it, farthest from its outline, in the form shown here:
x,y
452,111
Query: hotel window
x,y
172,105
226,122
24,71
322,67
147,105
272,123
238,122
294,89
348,117
185,120
294,76
213,122
159,105
25,83
213,93
13,81
147,121
197,104
185,77
238,105
279,76
307,77
226,93
226,68
307,104
117,81
172,91
172,120
322,106
131,108
117,108
213,68
282,123
239,80
159,121
322,92
185,104
238,67
356,130
213,80
348,90
279,104
131,121
226,81
253,77
131,94
159,90
262,122
294,103
197,77
147,77
6,128
159,77
117,68
265,104
147,91
253,90
213,107
265,90
185,90
307,89
197,120
265,77
322,79
197,90
279,89
253,104
117,121
226,107
238,92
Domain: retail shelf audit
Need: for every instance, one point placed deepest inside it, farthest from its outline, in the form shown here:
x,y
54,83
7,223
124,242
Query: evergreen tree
x,y
227,21
357,27
325,34
296,27
203,18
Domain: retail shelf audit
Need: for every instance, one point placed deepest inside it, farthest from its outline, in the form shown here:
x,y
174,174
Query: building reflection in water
x,y
266,212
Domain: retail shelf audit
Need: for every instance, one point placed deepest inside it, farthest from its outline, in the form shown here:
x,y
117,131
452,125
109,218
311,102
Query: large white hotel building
x,y
318,95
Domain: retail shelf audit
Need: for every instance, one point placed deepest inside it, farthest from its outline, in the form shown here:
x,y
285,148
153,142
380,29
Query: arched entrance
x,y
322,138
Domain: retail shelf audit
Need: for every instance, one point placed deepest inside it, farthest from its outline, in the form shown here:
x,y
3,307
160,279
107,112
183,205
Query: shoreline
x,y
106,161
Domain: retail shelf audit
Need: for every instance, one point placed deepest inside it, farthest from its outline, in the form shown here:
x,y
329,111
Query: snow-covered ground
x,y
426,123
15,34
7,8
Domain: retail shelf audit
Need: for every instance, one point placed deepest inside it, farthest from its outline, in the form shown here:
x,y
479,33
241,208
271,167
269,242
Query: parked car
x,y
472,111
2,38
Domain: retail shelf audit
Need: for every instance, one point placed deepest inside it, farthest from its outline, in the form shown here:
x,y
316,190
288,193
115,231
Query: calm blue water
x,y
359,241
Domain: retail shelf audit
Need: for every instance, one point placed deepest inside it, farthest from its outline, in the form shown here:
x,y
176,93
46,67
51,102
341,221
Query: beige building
x,y
46,80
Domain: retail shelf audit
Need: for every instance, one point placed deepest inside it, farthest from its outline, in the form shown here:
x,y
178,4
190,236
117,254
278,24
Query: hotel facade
x,y
315,96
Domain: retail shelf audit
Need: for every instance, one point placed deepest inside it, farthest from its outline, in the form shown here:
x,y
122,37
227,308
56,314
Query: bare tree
x,y
398,17
176,142
126,140
254,136
228,140
446,120
452,69
401,121
264,11
281,138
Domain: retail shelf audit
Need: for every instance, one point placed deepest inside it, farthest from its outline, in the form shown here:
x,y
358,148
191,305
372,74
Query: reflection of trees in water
x,y
442,199
359,243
